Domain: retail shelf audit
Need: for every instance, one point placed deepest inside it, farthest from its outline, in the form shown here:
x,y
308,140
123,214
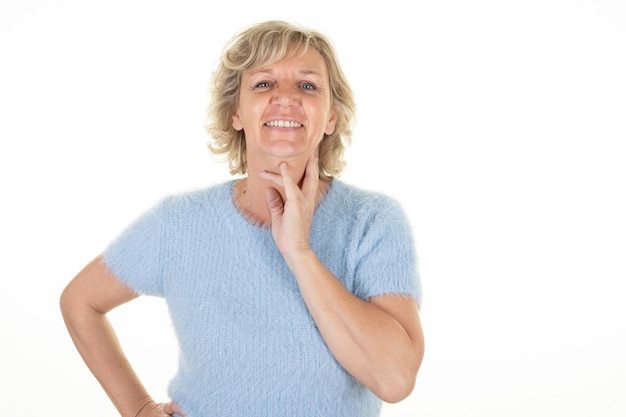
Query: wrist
x,y
145,407
299,257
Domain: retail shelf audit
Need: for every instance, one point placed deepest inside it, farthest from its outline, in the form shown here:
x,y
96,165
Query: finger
x,y
289,185
274,203
168,409
272,177
311,178
173,408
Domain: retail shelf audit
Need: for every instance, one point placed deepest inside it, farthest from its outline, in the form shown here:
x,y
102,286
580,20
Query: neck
x,y
250,191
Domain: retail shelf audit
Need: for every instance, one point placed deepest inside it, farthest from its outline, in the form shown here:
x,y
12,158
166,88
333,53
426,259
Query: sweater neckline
x,y
241,216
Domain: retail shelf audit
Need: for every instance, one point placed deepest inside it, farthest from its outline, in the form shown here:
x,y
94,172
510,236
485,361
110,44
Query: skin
x,y
379,341
294,90
84,303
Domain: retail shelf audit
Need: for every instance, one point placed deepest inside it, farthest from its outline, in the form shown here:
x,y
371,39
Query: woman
x,y
291,293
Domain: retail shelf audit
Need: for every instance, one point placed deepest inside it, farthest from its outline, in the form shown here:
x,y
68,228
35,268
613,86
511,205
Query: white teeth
x,y
282,123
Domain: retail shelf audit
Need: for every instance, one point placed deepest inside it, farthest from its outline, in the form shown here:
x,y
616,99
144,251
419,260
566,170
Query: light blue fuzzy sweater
x,y
248,345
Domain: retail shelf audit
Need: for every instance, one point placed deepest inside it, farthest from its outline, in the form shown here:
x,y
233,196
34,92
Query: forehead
x,y
299,61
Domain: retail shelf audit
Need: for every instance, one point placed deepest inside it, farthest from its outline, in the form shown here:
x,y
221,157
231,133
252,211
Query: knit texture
x,y
248,345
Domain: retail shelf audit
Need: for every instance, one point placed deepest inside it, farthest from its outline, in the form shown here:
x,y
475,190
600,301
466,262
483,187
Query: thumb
x,y
173,408
274,203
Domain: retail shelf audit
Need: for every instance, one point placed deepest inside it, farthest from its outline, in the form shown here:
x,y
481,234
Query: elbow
x,y
400,384
396,391
70,304
68,298
396,386
64,301
67,306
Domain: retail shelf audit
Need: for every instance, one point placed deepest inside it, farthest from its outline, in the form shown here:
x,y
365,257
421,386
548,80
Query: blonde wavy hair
x,y
264,44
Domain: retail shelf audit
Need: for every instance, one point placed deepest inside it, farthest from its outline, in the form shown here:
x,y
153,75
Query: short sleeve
x,y
135,255
387,260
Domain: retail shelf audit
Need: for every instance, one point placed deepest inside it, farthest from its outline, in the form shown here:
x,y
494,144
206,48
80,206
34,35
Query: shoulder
x,y
194,205
363,202
199,198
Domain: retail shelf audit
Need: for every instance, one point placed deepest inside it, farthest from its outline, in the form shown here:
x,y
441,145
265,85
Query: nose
x,y
285,95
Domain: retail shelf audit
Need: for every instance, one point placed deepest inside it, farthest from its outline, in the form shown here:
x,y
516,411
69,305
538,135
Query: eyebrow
x,y
304,71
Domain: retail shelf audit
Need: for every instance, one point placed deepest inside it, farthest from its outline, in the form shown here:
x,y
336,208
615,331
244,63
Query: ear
x,y
237,124
330,125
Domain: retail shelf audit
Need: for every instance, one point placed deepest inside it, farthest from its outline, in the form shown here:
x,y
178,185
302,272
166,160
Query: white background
x,y
499,125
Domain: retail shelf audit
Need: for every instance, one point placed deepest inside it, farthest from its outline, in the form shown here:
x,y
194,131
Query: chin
x,y
286,151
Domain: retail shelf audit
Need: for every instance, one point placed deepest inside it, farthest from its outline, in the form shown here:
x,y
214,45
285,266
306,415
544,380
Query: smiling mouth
x,y
282,123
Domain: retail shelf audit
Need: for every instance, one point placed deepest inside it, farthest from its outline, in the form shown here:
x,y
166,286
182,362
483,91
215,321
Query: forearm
x,y
367,341
99,347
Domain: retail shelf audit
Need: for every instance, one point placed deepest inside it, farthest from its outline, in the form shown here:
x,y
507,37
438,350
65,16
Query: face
x,y
285,108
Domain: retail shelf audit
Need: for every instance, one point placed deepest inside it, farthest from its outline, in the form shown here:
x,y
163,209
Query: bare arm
x,y
379,341
84,304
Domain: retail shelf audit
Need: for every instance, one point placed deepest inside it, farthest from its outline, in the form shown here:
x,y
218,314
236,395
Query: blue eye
x,y
263,84
308,86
